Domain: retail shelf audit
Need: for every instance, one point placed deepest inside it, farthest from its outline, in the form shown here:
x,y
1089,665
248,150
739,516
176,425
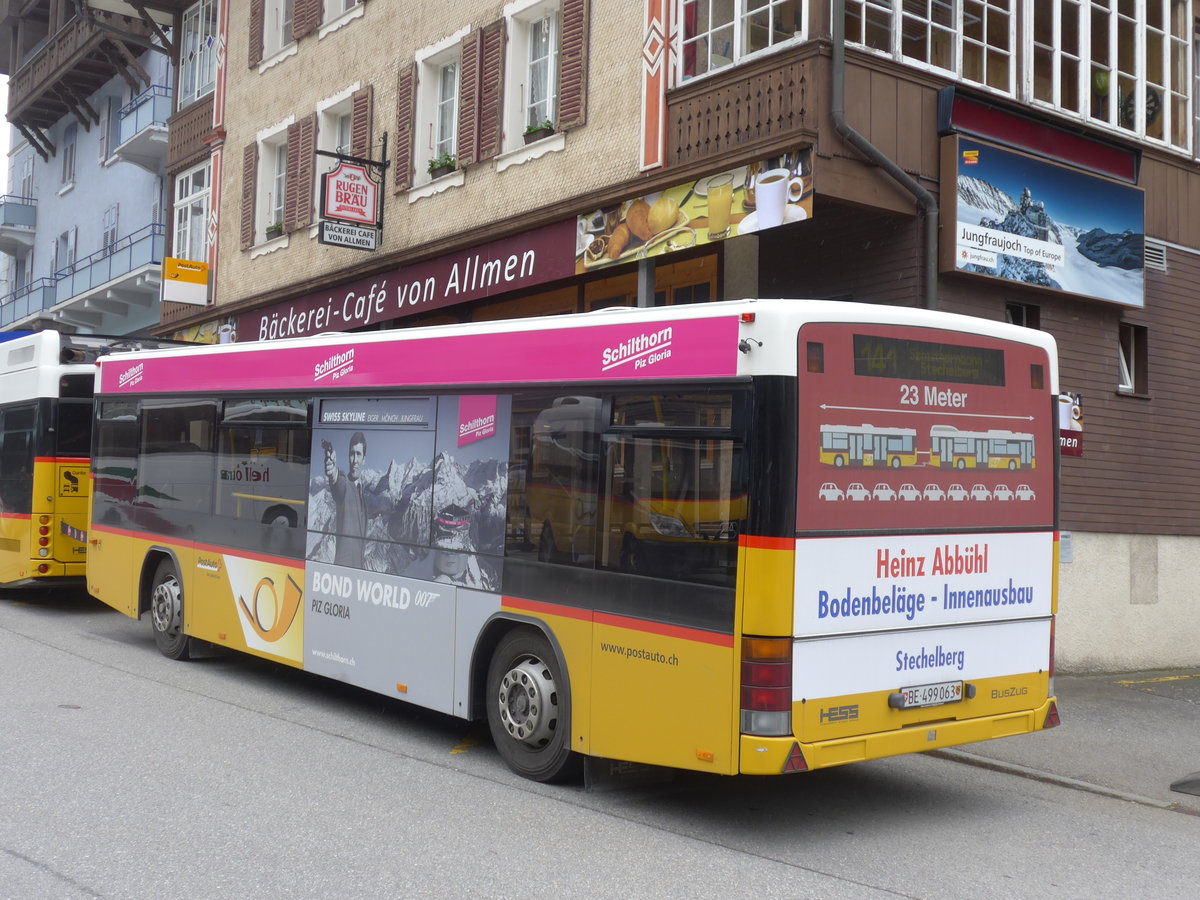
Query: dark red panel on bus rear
x,y
914,428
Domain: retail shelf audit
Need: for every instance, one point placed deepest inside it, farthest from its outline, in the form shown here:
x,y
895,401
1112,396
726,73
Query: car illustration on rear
x,y
934,492
1025,492
1002,492
909,492
857,491
957,492
979,492
830,491
883,492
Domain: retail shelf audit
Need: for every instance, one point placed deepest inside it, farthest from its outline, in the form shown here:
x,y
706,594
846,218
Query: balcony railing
x,y
126,256
152,107
143,128
30,299
134,251
18,221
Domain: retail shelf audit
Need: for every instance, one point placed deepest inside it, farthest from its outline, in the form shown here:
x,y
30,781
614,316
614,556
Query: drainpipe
x,y
929,207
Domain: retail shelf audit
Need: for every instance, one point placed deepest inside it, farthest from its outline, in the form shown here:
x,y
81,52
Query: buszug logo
x,y
280,619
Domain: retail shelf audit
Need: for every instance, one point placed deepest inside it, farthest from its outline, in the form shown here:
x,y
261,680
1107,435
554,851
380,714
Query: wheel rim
x,y
166,607
529,702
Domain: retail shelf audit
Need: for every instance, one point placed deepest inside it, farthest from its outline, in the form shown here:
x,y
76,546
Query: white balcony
x,y
143,129
18,221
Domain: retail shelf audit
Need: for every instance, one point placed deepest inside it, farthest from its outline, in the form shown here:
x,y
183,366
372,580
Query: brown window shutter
x,y
468,99
257,23
306,17
491,90
572,64
360,122
249,183
301,143
406,109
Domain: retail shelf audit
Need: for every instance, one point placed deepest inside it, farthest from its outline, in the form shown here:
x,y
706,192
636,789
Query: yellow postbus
x,y
610,535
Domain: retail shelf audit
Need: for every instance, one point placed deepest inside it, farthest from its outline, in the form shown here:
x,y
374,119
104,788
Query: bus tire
x,y
528,708
166,612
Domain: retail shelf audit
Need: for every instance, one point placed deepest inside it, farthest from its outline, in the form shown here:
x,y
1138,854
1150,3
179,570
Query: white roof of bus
x,y
774,319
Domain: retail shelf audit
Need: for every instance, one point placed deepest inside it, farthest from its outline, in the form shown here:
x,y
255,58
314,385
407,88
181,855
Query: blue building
x,y
82,228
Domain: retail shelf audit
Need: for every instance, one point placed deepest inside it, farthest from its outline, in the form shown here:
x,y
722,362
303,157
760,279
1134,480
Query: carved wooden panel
x,y
745,106
186,131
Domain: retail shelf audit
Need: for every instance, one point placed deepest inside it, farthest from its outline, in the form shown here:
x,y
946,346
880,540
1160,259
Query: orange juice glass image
x,y
720,199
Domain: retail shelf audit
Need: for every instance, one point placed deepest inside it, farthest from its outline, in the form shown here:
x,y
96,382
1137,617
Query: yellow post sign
x,y
185,281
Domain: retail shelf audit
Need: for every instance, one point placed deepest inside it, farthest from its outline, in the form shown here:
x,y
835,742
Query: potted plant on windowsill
x,y
537,132
274,230
442,165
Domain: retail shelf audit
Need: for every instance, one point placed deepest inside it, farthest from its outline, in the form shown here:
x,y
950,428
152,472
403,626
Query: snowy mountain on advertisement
x,y
1098,263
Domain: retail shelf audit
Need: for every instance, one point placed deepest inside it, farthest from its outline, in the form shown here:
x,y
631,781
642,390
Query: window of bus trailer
x,y
641,484
262,467
16,457
114,460
175,468
73,420
674,485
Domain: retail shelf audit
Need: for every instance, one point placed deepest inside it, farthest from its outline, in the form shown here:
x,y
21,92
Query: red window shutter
x,y
360,122
306,17
257,20
406,108
468,99
573,64
491,90
301,142
249,183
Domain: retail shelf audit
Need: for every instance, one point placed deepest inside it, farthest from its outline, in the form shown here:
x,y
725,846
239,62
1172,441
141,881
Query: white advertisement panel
x,y
888,661
881,582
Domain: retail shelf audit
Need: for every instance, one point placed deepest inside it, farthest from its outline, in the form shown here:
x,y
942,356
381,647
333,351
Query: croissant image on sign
x,y
350,195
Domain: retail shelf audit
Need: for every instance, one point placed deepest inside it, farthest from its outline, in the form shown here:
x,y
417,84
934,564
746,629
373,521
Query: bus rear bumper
x,y
774,755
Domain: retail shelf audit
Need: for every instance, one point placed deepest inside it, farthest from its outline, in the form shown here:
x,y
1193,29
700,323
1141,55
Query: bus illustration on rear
x,y
866,445
993,449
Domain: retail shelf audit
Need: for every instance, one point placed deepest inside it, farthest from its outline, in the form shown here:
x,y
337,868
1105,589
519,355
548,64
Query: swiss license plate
x,y
931,694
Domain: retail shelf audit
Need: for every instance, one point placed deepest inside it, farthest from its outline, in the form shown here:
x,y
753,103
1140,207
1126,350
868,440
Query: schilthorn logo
x,y
643,350
336,366
130,377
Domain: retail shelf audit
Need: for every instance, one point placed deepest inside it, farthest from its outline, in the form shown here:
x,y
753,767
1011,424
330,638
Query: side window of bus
x,y
16,458
73,432
553,478
175,471
674,488
114,460
262,462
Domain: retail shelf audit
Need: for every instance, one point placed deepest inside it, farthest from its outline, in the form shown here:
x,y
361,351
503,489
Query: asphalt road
x,y
127,775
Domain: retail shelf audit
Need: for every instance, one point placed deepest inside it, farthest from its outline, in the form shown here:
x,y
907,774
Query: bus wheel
x,y
895,463
166,613
528,709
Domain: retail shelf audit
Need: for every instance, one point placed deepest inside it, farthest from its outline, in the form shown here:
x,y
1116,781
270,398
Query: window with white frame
x,y
335,8
1131,355
1123,64
27,188
335,118
193,190
717,33
110,226
70,135
531,79
973,39
64,251
277,26
437,105
198,52
109,127
272,185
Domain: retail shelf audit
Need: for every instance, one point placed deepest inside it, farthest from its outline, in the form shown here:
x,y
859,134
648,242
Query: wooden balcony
x,y
57,76
764,104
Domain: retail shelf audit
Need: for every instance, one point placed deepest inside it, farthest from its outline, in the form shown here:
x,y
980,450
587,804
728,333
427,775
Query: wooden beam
x,y
37,140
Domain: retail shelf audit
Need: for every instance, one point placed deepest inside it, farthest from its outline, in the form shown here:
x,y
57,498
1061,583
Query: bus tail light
x,y
766,686
43,569
1052,717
